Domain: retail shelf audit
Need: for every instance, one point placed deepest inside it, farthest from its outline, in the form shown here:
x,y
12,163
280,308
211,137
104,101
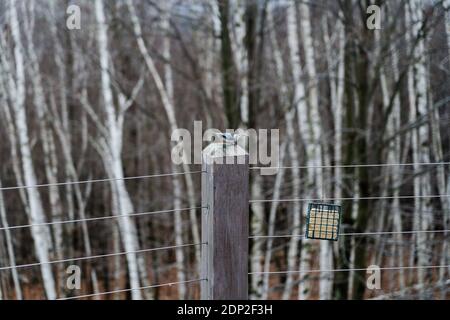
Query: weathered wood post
x,y
225,221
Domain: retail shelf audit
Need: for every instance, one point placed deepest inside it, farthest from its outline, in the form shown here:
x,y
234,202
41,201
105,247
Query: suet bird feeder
x,y
322,221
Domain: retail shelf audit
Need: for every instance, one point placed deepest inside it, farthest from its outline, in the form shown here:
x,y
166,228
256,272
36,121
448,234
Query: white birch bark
x,y
441,181
393,174
420,143
47,139
64,118
304,126
444,187
111,154
412,103
257,223
81,198
9,247
336,74
446,4
170,112
398,156
240,53
293,155
257,227
296,207
10,127
40,234
272,220
212,79
280,174
176,181
315,156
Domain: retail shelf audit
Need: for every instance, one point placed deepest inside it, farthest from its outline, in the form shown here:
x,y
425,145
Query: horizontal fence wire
x,y
357,165
354,234
408,291
350,198
169,174
100,256
349,269
137,214
100,180
132,289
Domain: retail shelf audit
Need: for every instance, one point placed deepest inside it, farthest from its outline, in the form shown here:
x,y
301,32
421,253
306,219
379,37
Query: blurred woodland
x,y
101,102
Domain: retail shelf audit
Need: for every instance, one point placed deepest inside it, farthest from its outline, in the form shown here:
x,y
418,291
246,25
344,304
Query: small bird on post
x,y
226,146
226,137
232,139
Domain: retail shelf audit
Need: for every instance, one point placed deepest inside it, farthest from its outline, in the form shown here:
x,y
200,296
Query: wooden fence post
x,y
225,223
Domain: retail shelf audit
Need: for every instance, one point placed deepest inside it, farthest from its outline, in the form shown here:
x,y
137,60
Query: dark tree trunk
x,y
231,103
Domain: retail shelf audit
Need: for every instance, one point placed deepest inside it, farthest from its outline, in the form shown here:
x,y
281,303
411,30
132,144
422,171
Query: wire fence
x,y
137,214
375,165
169,284
100,256
169,174
348,269
354,234
254,237
67,183
350,198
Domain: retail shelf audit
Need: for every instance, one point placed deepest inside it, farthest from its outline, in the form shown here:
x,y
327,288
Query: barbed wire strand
x,y
132,289
352,198
356,165
354,233
350,269
100,180
137,214
99,256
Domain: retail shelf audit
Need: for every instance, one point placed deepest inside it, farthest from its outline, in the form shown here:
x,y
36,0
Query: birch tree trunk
x,y
420,141
398,155
48,144
111,154
9,124
271,223
344,247
314,147
81,198
240,55
170,112
296,207
60,114
446,5
176,181
40,234
304,126
443,272
293,154
212,78
256,227
336,74
9,247
441,182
